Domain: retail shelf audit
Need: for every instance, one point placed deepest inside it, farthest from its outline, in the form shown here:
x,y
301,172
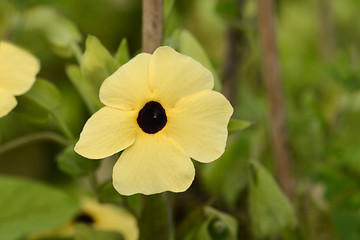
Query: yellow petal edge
x,y
18,69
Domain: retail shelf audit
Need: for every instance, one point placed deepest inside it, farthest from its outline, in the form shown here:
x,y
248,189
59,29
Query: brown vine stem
x,y
152,28
275,95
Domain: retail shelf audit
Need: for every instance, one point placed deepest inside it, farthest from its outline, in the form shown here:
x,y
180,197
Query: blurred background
x,y
318,43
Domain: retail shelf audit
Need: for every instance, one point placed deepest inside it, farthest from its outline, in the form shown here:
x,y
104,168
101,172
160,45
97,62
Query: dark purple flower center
x,y
84,218
152,117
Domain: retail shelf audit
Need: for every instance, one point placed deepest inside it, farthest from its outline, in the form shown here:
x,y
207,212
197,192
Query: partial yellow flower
x,y
108,217
160,108
102,217
18,69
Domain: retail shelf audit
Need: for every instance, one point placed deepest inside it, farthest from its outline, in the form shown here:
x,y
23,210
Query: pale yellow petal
x,y
108,217
7,102
153,164
174,76
107,132
128,88
199,124
18,69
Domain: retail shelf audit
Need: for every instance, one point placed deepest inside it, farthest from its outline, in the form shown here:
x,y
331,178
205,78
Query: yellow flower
x,y
102,217
107,217
18,69
160,108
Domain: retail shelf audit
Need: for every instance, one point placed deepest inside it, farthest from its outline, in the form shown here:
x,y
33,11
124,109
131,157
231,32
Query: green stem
x,y
63,126
94,184
77,51
31,138
170,217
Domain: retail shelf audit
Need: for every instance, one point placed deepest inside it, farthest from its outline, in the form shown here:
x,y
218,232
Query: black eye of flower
x,y
84,218
152,117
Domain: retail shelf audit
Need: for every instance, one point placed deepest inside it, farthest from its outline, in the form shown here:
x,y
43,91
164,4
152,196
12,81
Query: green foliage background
x,y
235,197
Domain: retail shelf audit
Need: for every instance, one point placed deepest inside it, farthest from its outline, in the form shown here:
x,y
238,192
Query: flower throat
x,y
152,117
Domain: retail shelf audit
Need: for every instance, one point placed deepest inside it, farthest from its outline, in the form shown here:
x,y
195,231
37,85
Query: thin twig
x,y
39,136
63,125
152,29
275,94
234,53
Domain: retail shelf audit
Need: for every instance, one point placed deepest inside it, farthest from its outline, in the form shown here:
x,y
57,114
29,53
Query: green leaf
x,y
84,232
45,94
96,64
91,98
219,176
31,110
187,44
27,207
59,31
218,226
190,226
236,125
208,224
72,163
346,70
37,104
122,54
168,6
271,212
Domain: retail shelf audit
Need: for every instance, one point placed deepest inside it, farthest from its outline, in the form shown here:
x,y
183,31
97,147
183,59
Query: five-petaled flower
x,y
18,69
162,110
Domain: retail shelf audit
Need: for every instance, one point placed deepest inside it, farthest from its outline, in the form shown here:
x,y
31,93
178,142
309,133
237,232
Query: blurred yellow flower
x,y
108,217
102,217
18,69
160,108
